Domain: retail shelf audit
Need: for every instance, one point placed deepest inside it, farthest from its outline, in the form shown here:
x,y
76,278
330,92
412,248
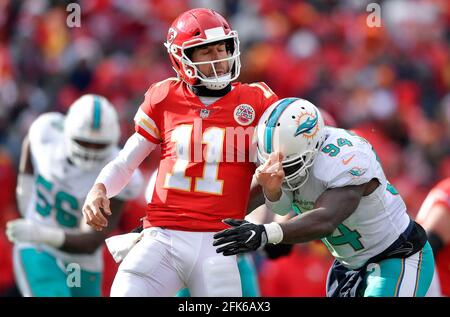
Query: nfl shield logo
x,y
204,113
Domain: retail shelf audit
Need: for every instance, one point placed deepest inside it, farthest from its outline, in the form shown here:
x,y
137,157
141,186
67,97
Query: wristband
x,y
274,233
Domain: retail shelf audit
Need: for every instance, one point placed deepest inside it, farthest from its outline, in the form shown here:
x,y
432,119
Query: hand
x,y
270,176
24,230
96,207
243,237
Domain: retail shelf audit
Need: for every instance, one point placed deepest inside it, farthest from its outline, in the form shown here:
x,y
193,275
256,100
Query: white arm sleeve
x,y
117,173
282,206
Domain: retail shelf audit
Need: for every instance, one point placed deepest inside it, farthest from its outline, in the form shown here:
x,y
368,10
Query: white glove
x,y
24,230
120,245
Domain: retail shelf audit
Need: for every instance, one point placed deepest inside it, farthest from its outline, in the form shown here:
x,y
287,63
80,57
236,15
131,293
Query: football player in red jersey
x,y
434,216
204,124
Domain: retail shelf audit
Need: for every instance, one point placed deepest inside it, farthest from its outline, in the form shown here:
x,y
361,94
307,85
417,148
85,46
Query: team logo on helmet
x,y
244,114
309,127
171,35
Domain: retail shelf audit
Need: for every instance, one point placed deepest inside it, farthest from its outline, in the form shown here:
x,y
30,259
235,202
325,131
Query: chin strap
x,y
201,90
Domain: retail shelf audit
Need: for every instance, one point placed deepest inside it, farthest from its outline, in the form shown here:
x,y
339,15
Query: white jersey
x,y
61,188
346,159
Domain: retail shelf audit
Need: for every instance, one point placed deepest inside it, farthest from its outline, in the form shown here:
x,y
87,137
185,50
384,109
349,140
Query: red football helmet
x,y
198,27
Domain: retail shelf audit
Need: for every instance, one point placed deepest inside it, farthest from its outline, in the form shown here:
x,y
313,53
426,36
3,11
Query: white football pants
x,y
166,260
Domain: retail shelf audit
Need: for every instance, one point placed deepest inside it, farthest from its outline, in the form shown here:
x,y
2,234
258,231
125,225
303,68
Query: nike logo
x,y
251,235
345,162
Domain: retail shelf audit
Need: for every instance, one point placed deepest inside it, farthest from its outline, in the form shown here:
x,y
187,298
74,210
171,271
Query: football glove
x,y
243,237
24,230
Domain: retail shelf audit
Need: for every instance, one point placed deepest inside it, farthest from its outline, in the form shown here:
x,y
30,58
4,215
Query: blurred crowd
x,y
389,83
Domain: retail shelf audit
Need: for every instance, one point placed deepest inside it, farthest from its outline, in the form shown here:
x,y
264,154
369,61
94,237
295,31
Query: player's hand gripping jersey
x,y
205,170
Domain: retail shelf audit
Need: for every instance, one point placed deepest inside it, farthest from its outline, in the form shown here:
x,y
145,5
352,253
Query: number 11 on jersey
x,y
213,138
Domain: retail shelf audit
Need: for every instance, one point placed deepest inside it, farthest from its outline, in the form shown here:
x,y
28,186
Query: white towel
x,y
120,245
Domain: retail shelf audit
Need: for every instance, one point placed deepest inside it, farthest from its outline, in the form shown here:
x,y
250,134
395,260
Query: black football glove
x,y
275,251
243,237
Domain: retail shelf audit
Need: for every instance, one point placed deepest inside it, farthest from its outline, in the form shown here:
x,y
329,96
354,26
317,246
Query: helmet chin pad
x,y
216,82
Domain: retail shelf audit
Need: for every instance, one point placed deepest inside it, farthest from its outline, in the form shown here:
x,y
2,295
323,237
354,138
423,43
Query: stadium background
x,y
390,83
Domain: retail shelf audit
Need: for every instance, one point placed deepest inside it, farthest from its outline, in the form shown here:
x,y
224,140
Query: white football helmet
x,y
91,131
294,127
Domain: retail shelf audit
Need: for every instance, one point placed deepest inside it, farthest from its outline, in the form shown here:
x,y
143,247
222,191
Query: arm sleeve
x,y
117,173
283,205
134,187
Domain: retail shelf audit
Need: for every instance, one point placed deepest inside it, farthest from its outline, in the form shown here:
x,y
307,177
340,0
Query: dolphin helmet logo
x,y
307,126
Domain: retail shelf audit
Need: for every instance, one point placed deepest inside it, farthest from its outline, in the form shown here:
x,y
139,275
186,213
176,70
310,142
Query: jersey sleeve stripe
x,y
146,123
147,126
146,135
442,196
141,114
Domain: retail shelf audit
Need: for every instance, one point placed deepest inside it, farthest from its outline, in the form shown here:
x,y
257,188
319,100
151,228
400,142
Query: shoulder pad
x,y
159,91
345,159
262,88
329,169
47,128
50,120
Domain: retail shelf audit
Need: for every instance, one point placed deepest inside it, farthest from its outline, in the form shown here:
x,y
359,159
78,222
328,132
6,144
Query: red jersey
x,y
207,160
440,194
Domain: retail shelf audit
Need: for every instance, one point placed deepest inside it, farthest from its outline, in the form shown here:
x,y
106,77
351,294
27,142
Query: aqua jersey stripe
x,y
97,113
272,121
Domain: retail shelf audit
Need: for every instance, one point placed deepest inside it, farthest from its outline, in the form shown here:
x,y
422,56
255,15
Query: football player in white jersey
x,y
334,182
55,252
